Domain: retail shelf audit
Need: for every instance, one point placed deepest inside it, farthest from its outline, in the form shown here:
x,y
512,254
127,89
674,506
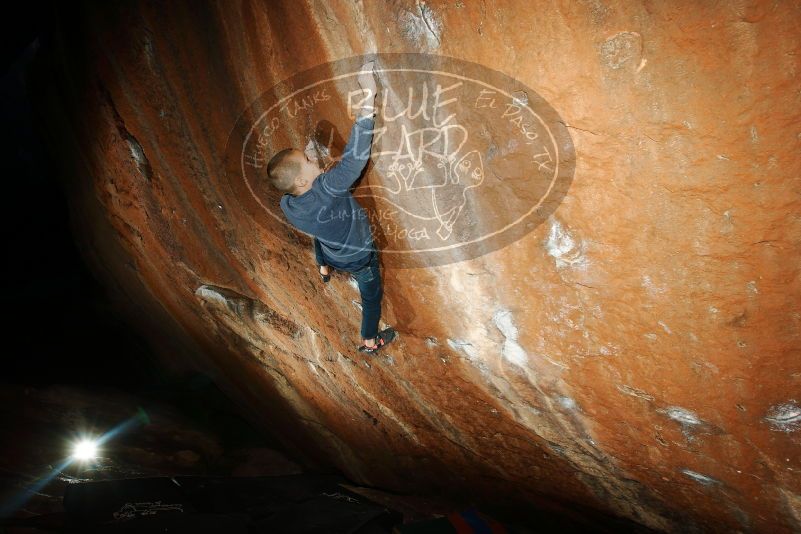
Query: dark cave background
x,y
60,326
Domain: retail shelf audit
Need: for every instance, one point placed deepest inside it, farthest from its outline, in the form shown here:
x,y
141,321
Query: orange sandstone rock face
x,y
637,350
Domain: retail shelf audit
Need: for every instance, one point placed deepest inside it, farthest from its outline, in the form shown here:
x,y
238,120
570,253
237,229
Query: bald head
x,y
283,168
291,171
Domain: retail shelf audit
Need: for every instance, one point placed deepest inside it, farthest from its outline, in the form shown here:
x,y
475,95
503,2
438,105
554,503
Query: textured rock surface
x,y
639,353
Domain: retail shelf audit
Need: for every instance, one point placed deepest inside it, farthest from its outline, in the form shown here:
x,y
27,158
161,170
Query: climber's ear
x,y
300,182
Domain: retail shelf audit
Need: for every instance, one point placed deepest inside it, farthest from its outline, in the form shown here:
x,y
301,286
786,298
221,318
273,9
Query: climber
x,y
319,203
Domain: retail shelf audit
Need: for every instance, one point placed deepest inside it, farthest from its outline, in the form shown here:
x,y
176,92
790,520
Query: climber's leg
x,y
369,281
318,252
318,257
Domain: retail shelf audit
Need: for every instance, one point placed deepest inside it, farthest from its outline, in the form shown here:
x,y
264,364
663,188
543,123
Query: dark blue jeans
x,y
369,280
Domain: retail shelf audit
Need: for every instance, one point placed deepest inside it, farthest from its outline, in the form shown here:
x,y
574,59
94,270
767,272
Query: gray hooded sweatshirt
x,y
328,210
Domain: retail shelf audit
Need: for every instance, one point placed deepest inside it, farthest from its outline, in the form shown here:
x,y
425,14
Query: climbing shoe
x,y
383,338
325,277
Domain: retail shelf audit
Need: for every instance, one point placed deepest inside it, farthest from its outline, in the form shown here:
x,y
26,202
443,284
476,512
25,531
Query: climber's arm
x,y
338,180
354,158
